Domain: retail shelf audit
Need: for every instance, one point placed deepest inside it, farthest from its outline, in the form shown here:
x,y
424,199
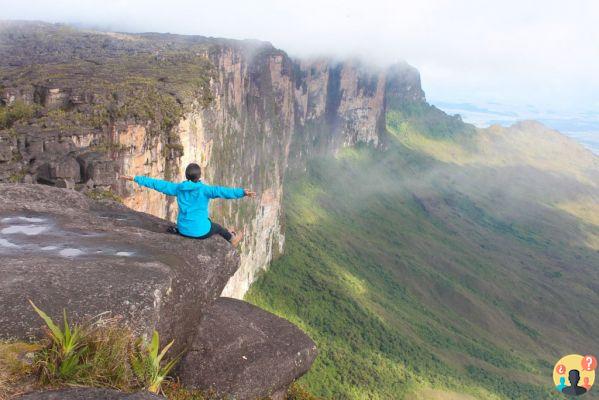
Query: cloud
x,y
512,51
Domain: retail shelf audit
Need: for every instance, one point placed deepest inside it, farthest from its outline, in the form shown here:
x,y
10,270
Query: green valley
x,y
457,263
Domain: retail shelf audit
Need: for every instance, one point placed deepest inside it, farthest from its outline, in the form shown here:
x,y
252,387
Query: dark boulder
x,y
8,145
33,146
57,145
65,251
51,97
243,351
97,168
64,168
89,394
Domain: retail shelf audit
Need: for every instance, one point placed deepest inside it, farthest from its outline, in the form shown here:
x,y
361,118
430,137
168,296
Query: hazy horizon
x,y
510,59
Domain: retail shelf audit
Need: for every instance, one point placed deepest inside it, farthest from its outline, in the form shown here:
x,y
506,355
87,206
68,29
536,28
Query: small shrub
x,y
19,110
297,392
175,391
60,360
16,177
108,350
15,366
147,363
100,354
99,195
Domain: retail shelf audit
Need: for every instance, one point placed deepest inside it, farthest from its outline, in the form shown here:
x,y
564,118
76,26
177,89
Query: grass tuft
x,y
99,195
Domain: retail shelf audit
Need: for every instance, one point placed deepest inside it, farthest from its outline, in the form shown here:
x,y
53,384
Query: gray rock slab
x,y
64,251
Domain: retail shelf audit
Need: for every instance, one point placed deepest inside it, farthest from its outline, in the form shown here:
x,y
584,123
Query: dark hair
x,y
193,172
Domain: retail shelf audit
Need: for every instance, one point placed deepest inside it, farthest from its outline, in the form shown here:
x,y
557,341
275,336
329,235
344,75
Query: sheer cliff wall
x,y
99,104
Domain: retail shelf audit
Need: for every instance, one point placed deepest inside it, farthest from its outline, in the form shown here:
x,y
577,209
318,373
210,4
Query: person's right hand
x,y
125,178
249,193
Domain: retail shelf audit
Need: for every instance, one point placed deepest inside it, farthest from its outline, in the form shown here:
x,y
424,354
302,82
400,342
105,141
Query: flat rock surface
x,y
245,352
65,251
89,394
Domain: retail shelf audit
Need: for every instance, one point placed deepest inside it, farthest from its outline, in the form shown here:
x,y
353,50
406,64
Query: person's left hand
x,y
125,178
249,193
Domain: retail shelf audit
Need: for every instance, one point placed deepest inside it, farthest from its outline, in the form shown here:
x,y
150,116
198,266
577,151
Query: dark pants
x,y
215,229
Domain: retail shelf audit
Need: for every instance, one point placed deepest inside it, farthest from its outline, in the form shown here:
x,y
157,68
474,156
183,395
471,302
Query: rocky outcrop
x,y
403,86
89,394
245,352
256,114
64,251
338,104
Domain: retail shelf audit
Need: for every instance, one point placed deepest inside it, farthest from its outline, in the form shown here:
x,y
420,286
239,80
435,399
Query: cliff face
x,y
338,104
246,133
104,104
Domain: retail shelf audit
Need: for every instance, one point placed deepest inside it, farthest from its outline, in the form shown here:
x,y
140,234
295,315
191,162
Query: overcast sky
x,y
514,52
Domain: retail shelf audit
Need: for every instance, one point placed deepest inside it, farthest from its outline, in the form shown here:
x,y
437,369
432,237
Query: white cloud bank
x,y
510,51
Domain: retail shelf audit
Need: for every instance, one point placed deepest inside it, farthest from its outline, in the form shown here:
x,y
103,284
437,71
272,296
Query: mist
x,y
512,52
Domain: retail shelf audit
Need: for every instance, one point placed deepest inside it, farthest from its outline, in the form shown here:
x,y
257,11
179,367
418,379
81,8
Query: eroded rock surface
x,y
245,352
65,251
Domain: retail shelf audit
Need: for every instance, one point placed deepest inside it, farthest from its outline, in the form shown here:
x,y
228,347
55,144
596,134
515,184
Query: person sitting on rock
x,y
193,197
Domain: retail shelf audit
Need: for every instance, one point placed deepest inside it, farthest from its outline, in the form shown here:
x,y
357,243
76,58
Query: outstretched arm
x,y
168,188
221,192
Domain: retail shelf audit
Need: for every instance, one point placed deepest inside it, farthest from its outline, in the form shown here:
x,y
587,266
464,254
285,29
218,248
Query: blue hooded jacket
x,y
193,199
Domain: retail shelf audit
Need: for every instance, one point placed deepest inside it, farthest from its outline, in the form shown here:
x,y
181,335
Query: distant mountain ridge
x,y
581,125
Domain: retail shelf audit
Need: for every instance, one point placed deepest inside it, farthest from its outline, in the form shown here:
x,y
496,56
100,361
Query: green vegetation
x,y
428,120
174,391
16,177
15,364
298,392
62,359
99,194
172,147
406,271
152,90
17,111
98,353
147,363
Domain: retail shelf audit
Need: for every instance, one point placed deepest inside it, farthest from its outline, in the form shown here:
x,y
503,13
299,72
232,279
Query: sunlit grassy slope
x,y
429,271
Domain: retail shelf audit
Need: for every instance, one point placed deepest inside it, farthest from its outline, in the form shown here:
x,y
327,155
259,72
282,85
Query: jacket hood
x,y
189,185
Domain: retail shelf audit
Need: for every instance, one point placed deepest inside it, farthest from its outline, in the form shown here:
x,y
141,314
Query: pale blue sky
x,y
518,53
